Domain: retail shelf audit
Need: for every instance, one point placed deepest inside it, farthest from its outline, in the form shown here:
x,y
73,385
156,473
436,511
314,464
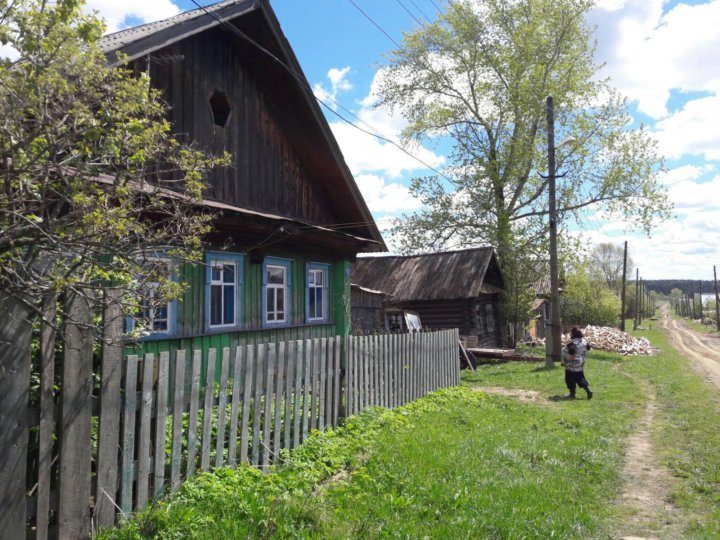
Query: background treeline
x,y
665,286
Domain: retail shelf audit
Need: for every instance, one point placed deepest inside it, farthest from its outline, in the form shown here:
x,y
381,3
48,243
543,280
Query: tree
x,y
588,301
93,183
480,75
606,263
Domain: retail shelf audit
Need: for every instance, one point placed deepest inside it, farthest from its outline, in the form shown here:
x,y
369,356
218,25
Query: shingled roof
x,y
146,38
447,275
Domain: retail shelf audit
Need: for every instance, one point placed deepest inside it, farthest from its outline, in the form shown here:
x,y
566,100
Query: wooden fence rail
x,y
106,436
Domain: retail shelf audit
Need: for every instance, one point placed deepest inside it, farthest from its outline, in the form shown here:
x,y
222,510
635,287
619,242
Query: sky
x,y
662,55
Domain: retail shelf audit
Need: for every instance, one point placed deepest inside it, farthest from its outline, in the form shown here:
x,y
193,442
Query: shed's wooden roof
x,y
447,275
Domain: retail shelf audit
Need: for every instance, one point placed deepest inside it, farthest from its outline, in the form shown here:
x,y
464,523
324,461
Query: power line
x,y
411,13
420,11
368,17
304,84
436,7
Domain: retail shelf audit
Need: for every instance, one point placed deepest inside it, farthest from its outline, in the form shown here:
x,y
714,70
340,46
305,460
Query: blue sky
x,y
662,55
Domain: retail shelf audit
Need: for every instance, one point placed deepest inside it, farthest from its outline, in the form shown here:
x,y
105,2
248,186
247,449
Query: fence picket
x,y
206,441
277,427
193,413
349,375
177,419
257,404
337,398
234,408
160,424
299,369
267,416
106,475
248,365
322,369
128,440
289,395
143,457
307,382
222,403
76,419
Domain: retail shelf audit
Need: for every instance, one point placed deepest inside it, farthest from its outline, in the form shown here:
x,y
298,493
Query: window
x,y
155,316
276,298
220,108
316,302
223,291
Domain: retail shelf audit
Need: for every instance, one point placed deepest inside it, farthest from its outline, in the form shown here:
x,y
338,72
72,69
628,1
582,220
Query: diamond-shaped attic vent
x,y
220,107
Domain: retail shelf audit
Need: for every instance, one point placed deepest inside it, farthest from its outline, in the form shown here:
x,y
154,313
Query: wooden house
x,y
454,289
290,218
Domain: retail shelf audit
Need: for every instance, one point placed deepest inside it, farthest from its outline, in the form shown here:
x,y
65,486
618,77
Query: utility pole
x,y
552,353
622,293
637,298
717,301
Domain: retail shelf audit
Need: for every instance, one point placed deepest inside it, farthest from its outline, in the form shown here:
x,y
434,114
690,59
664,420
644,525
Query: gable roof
x,y
435,276
256,19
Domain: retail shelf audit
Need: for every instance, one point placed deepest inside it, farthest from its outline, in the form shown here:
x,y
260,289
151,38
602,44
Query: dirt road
x,y
702,350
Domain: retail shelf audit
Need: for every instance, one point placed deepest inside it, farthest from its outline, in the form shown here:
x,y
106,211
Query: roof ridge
x,y
436,253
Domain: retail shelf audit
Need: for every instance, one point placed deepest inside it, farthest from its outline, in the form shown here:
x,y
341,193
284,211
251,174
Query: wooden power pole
x,y
622,293
552,353
637,297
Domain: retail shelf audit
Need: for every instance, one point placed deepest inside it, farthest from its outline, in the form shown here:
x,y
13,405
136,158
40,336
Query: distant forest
x,y
666,285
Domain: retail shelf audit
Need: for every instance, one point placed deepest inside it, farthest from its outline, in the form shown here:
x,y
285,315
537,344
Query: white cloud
x,y
338,83
694,196
649,54
388,198
692,130
117,12
683,174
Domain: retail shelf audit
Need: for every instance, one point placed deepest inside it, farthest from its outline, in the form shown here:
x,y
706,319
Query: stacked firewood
x,y
610,339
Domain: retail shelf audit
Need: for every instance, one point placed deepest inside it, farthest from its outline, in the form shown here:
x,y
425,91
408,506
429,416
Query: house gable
x,y
252,100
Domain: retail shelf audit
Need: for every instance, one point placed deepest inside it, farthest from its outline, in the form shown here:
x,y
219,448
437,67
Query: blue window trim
x,y
172,307
239,260
287,263
325,267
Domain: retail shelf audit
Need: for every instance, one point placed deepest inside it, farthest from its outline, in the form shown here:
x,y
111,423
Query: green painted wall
x,y
191,311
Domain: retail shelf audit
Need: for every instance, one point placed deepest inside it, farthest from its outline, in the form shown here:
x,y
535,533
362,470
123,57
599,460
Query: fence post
x,y
75,438
15,334
110,406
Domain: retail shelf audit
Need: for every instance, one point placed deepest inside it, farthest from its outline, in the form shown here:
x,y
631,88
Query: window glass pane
x,y
319,275
215,304
280,299
319,303
229,273
229,304
311,304
311,278
276,275
270,304
215,273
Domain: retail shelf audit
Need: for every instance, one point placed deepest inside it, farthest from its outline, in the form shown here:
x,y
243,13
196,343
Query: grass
x,y
465,464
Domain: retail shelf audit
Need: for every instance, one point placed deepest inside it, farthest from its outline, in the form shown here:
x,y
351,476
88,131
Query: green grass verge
x,y
464,464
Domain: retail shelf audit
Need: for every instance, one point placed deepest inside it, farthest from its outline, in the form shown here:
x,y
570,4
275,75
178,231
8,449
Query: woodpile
x,y
609,339
605,338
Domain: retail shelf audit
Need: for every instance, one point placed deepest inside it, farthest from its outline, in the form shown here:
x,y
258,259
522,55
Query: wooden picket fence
x,y
155,420
390,370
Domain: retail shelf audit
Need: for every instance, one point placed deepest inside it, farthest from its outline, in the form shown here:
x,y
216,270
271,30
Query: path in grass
x,y
647,485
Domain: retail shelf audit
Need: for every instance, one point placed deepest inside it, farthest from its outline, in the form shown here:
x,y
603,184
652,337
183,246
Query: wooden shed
x,y
453,289
288,216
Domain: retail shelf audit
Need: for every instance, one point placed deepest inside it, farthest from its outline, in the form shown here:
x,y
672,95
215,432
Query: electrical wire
x,y
436,7
368,17
306,86
420,11
411,14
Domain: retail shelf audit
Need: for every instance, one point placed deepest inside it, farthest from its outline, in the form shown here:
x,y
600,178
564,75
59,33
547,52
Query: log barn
x,y
288,216
452,289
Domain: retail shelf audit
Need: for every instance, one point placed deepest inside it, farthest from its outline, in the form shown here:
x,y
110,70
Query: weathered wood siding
x,y
368,314
268,172
470,316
